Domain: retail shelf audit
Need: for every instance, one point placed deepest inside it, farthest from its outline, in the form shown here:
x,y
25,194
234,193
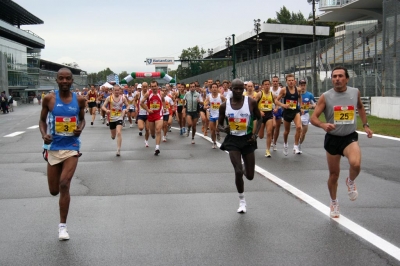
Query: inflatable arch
x,y
155,75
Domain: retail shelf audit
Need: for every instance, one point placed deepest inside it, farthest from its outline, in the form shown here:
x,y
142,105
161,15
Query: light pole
x,y
228,46
210,54
257,29
314,49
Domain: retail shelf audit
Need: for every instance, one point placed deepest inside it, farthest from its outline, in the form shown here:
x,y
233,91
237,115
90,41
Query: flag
x,y
111,78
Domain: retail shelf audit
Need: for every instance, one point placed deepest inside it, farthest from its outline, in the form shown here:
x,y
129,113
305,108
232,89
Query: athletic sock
x,y
157,147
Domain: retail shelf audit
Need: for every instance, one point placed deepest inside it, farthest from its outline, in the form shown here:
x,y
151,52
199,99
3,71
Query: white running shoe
x,y
274,147
296,150
63,233
285,149
335,213
214,146
123,123
351,189
164,139
131,125
193,141
242,206
146,144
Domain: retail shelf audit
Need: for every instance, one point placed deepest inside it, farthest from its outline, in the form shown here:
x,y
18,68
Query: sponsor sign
x,y
160,61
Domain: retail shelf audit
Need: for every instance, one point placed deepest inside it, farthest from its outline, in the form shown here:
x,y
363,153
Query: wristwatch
x,y
366,125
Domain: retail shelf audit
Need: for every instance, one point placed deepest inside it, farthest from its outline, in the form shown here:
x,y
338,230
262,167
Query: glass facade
x,y
17,67
334,3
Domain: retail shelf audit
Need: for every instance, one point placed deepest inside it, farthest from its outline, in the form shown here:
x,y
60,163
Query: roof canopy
x,y
14,14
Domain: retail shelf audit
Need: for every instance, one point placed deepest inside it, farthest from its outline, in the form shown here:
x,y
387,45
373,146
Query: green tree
x,y
285,17
195,67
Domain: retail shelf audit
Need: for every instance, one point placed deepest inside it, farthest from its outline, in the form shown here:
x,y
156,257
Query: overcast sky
x,y
120,34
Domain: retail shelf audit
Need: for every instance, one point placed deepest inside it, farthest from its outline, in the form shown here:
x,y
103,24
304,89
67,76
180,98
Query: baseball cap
x,y
245,83
139,86
302,81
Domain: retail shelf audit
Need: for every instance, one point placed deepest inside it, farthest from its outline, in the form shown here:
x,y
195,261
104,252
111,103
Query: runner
x,y
104,96
277,120
250,90
62,120
143,123
213,103
241,138
167,113
131,106
152,102
113,107
265,100
308,101
292,98
180,102
91,97
191,109
203,112
341,139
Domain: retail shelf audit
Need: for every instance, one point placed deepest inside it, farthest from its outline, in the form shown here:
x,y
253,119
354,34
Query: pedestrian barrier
x,y
137,75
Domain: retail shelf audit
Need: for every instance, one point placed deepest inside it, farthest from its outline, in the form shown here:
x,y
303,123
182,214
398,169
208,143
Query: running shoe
x,y
164,139
351,189
123,123
218,137
285,149
300,148
214,146
274,147
156,152
296,150
242,206
153,136
267,154
107,124
184,130
140,133
118,153
91,123
63,233
192,141
131,125
335,210
103,120
169,129
146,144
86,110
181,132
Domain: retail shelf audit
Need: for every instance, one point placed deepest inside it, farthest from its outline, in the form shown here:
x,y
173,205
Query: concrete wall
x,y
386,107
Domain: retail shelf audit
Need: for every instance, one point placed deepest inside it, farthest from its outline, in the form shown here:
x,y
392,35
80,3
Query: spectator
x,y
367,40
4,102
39,98
10,103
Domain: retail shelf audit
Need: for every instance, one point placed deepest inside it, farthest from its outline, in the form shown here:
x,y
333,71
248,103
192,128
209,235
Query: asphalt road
x,y
180,208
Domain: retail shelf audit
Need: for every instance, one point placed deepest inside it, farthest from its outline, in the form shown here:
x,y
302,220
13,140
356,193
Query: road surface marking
x,y
14,134
32,127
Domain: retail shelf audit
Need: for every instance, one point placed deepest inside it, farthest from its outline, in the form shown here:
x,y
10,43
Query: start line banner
x,y
160,61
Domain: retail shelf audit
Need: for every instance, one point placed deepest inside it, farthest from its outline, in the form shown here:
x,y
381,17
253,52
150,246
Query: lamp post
x,y
257,29
314,49
228,46
210,54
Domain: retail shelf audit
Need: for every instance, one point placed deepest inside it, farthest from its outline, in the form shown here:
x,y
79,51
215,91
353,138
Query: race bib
x,y
237,125
155,106
292,104
65,126
92,99
181,101
343,115
115,113
215,106
306,106
266,105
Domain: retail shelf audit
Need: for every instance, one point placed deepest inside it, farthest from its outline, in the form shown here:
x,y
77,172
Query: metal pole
x,y
233,57
376,61
314,52
363,70
352,45
394,52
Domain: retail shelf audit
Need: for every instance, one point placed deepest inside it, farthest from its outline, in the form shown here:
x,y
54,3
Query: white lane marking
x,y
32,127
379,136
372,238
14,134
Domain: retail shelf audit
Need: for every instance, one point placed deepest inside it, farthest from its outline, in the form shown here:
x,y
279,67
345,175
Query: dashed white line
x,y
33,127
14,134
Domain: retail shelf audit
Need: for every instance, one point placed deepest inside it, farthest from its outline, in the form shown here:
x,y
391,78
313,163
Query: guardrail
x,y
366,102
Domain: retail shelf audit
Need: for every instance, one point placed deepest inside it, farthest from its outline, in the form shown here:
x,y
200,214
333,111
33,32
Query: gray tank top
x,y
340,109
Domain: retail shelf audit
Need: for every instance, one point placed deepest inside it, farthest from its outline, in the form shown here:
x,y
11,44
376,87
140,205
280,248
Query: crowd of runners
x,y
244,111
